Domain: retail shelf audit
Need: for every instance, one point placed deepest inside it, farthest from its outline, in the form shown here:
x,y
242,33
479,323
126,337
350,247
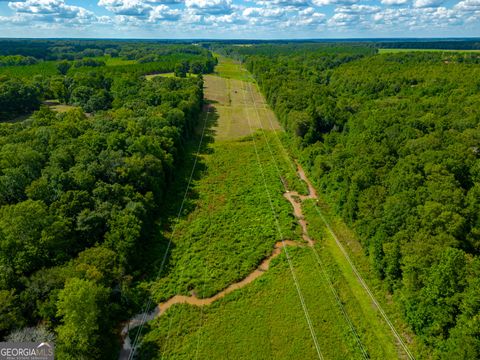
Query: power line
x,y
297,285
363,283
149,302
319,262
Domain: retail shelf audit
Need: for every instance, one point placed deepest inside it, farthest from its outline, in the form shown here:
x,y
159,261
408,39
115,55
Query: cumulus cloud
x,y
358,9
252,17
427,3
127,7
394,2
54,11
343,20
468,5
164,13
210,7
263,12
334,2
284,3
418,18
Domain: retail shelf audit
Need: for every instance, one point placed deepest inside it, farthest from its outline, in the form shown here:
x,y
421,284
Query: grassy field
x,y
231,69
389,51
234,103
261,321
230,228
169,74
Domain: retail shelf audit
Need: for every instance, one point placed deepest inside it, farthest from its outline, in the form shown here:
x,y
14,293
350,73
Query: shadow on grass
x,y
178,202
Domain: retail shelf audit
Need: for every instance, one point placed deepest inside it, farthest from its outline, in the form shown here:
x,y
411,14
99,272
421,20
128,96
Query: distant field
x,y
234,102
109,61
151,76
168,74
231,69
387,51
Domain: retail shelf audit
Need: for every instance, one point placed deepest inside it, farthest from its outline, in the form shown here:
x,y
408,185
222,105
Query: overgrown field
x,y
261,321
231,228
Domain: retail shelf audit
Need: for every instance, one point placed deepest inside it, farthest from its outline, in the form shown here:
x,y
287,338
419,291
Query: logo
x,y
26,351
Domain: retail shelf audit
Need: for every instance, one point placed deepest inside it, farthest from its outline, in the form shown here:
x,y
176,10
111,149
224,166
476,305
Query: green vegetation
x,y
42,68
230,69
79,199
387,51
392,140
90,194
263,320
231,229
87,81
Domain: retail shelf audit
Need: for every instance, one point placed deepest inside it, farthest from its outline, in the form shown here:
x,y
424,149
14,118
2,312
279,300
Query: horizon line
x,y
455,38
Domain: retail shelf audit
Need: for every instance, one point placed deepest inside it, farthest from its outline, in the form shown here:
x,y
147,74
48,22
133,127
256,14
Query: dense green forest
x,y
85,79
393,141
81,193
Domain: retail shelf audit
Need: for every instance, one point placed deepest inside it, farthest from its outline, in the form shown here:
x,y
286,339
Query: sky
x,y
239,19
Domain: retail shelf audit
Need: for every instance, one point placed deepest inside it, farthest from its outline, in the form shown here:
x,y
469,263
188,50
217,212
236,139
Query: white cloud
x,y
263,12
343,20
127,7
427,3
334,2
164,13
394,2
52,11
468,5
358,9
210,6
284,3
418,18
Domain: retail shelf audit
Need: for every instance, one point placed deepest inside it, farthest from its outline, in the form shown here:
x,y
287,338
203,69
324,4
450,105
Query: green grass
x,y
231,228
168,74
237,102
388,51
226,233
377,335
152,76
109,61
231,69
264,320
373,331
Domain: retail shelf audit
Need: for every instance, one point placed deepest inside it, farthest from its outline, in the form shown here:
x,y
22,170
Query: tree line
x,y
393,142
79,201
87,82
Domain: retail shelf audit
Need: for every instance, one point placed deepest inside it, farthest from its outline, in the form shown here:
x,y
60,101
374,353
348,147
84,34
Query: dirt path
x,y
295,200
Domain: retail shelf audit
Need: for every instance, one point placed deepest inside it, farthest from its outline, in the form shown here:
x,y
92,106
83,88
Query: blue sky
x,y
252,19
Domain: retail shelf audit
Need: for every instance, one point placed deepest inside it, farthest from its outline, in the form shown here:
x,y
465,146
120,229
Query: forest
x,y
96,141
83,76
392,140
81,191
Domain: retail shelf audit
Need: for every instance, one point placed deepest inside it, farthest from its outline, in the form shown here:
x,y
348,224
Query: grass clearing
x,y
235,104
226,233
168,75
231,229
363,312
261,321
231,69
